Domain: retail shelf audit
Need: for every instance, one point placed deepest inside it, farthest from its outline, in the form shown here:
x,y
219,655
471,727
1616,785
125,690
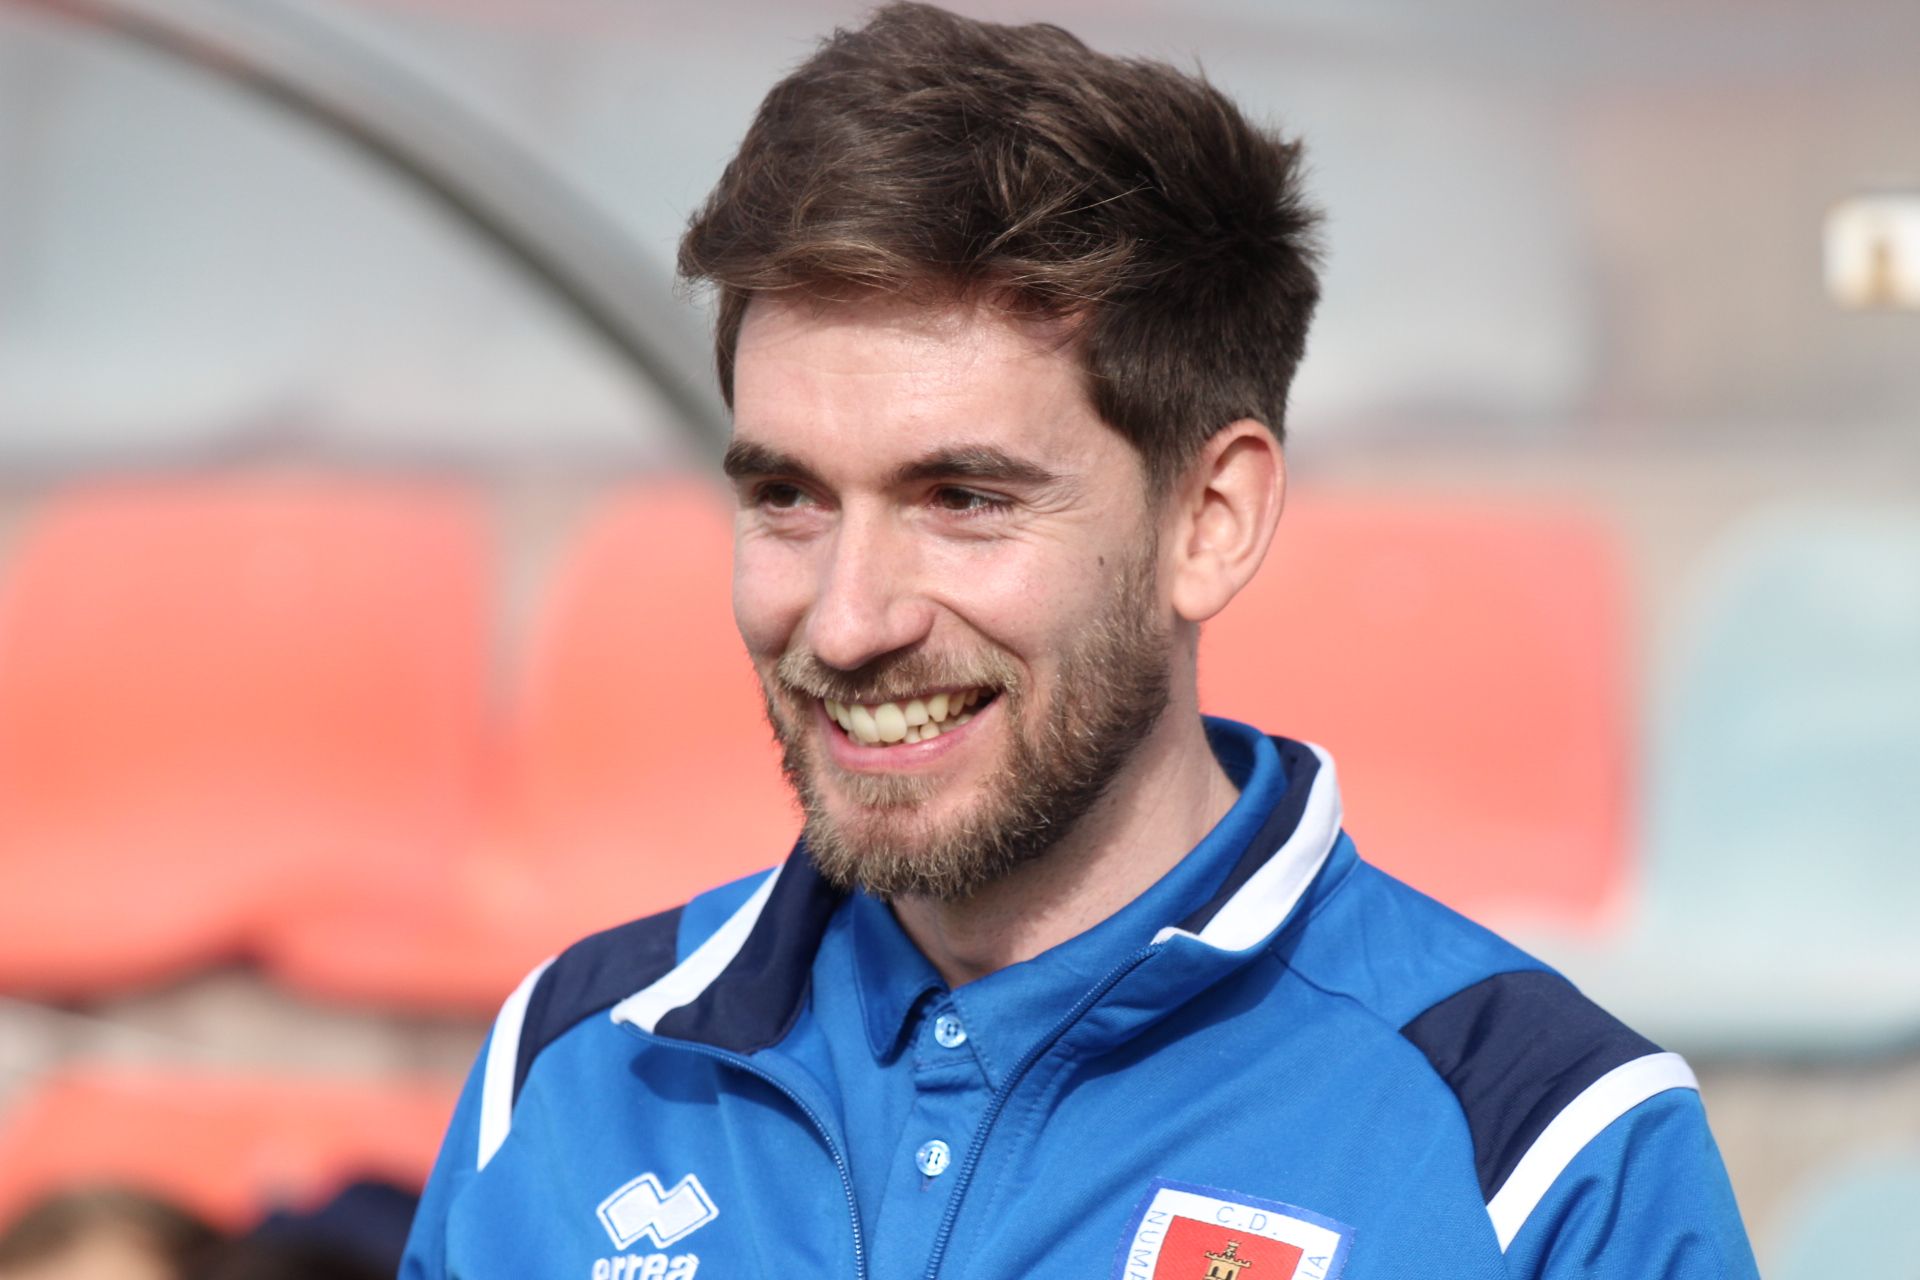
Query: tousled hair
x,y
940,158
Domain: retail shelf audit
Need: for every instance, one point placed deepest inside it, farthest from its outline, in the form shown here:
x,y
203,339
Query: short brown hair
x,y
932,155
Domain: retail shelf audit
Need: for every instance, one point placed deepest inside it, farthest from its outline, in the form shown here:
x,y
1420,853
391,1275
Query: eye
x,y
967,501
778,495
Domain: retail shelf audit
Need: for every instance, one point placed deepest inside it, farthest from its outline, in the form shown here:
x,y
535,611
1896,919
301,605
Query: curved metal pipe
x,y
514,203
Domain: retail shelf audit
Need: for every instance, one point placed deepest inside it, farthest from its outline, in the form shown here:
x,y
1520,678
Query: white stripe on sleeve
x,y
1580,1122
503,1055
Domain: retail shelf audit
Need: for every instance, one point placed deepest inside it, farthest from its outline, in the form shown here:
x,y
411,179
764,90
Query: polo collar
x,y
890,974
743,989
1001,1009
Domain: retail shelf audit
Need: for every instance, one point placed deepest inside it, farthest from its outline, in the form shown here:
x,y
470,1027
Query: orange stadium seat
x,y
1466,666
638,771
222,692
226,1144
644,764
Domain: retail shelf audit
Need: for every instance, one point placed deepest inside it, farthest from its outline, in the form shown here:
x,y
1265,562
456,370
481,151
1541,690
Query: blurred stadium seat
x,y
1781,877
220,693
1467,666
225,1144
637,773
1857,1220
644,764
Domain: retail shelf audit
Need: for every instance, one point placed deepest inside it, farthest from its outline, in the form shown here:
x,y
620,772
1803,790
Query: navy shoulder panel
x,y
757,998
593,974
1516,1048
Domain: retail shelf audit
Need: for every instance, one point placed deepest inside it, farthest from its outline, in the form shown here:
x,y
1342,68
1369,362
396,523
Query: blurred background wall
x,y
1636,497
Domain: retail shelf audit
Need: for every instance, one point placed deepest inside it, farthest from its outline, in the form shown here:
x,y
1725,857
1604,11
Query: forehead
x,y
885,379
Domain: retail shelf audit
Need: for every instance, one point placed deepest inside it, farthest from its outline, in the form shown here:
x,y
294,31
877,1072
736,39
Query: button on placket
x,y
950,1095
933,1158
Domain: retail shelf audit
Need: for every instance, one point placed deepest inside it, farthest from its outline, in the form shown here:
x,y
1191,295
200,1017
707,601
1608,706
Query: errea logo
x,y
644,1208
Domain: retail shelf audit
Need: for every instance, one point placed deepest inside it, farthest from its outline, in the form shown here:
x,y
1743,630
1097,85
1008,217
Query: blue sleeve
x,y
1647,1199
426,1256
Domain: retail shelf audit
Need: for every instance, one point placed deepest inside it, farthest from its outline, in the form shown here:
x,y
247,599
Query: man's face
x,y
946,572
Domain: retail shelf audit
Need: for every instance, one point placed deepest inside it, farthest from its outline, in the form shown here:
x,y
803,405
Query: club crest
x,y
1187,1232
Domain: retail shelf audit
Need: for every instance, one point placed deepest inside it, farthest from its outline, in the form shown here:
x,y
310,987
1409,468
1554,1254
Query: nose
x,y
867,603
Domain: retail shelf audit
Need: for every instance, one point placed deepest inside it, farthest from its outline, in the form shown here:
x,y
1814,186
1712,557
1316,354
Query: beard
x,y
1060,756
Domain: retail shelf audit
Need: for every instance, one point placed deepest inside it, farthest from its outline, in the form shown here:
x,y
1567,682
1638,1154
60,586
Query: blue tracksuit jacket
x,y
1319,1074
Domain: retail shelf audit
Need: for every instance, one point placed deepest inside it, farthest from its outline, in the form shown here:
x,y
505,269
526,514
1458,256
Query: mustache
x,y
894,677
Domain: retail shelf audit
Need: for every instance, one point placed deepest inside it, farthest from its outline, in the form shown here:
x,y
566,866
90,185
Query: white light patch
x,y
1873,252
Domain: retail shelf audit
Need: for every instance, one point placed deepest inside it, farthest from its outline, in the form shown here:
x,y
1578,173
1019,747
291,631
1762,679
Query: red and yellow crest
x,y
1186,1232
1207,1251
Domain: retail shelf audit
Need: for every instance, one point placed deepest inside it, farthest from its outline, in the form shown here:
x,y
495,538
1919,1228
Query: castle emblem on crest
x,y
1228,1265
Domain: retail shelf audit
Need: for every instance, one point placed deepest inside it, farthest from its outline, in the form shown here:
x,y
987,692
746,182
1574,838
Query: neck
x,y
1166,799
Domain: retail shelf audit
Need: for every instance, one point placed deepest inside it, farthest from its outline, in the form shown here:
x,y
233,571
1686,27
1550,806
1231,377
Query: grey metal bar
x,y
491,185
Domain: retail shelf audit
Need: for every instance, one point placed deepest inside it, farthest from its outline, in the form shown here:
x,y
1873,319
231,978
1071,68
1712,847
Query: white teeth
x,y
891,721
918,720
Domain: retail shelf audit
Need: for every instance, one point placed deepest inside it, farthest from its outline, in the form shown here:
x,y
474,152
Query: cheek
x,y
770,593
1023,598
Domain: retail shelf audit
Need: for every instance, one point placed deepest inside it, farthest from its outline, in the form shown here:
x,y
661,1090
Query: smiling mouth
x,y
901,723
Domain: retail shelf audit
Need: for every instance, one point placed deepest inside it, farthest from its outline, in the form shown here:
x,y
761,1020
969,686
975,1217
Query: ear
x,y
1221,518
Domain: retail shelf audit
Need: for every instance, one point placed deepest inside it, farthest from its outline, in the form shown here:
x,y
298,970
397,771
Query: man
x,y
1063,980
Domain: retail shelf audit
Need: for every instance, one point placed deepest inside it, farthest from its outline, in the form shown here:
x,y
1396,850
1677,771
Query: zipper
x,y
806,1108
997,1103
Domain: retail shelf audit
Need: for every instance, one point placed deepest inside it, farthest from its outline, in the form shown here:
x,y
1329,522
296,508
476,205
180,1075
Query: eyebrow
x,y
974,462
747,460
